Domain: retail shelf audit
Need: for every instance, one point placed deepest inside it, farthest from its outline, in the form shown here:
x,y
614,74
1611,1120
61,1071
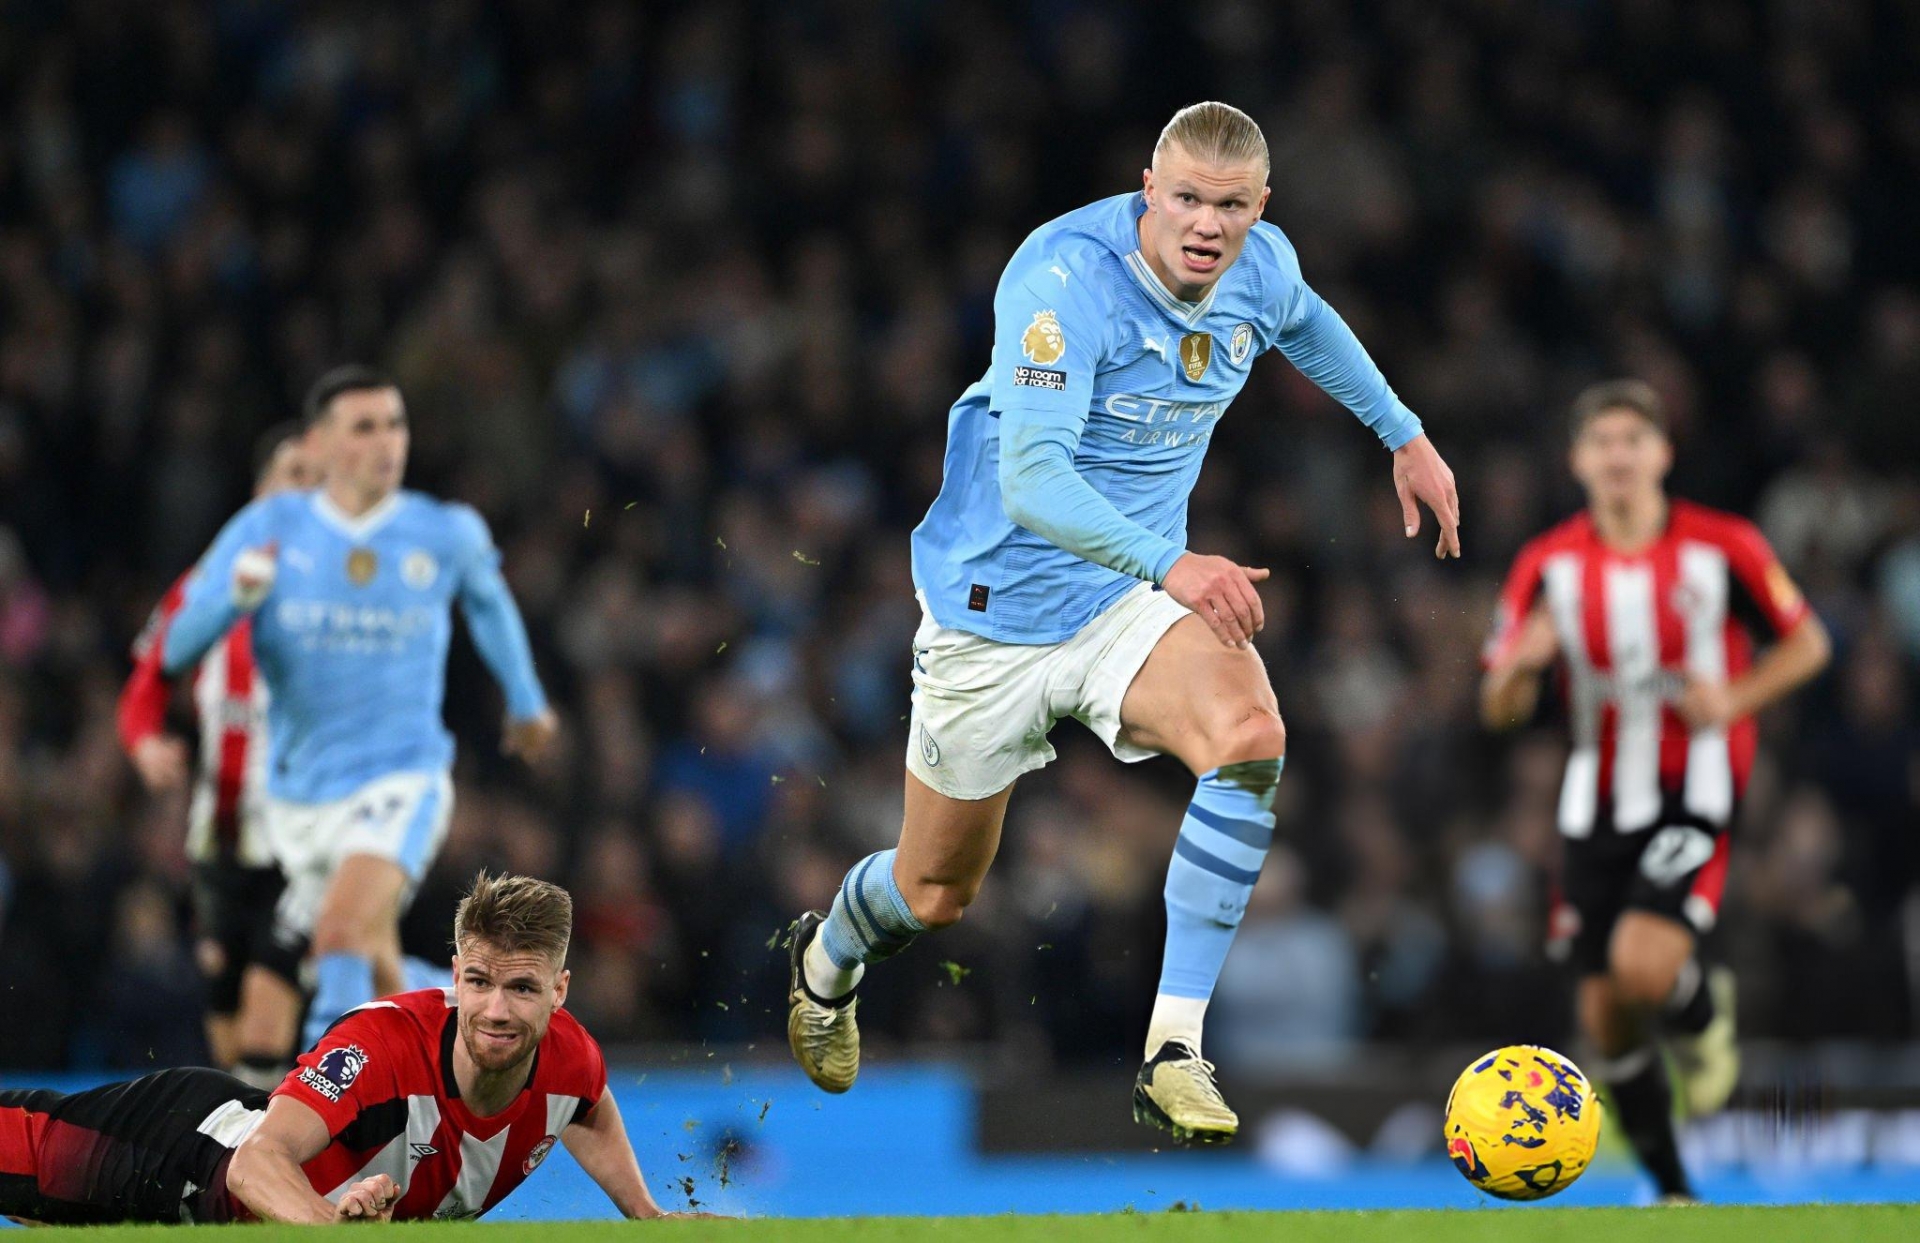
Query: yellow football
x,y
1522,1122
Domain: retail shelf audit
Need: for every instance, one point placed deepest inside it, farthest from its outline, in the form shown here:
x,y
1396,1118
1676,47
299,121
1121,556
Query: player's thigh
x,y
1202,702
980,714
1672,901
362,901
946,846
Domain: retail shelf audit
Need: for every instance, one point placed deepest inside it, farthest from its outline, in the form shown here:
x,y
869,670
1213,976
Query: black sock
x,y
1691,1007
1644,1101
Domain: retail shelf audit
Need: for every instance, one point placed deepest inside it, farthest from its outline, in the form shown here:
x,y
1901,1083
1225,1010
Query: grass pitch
x,y
1849,1223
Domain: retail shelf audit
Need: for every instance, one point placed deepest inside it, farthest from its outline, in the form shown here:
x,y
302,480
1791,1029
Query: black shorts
x,y
1677,869
233,918
123,1152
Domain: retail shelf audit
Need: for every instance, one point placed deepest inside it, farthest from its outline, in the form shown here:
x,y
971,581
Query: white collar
x,y
353,528
1188,313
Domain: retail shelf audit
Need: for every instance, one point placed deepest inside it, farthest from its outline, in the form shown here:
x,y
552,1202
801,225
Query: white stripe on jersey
x,y
560,1111
479,1165
1703,580
1633,641
1579,789
399,1155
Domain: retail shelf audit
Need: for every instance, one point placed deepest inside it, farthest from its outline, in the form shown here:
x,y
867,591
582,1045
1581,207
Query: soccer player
x,y
1055,581
351,589
427,1104
1644,600
253,991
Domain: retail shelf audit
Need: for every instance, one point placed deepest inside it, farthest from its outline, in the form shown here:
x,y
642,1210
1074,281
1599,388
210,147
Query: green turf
x,y
1822,1223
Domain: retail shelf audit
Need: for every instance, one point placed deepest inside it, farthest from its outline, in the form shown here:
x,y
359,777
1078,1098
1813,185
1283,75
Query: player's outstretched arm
x,y
599,1143
265,1172
232,580
501,637
1317,341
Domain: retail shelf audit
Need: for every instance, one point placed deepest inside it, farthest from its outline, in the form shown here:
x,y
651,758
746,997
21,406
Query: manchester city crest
x,y
1240,344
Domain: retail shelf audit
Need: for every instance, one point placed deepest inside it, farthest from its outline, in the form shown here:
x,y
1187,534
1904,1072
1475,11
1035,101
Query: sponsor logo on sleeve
x,y
1040,377
336,1070
1044,342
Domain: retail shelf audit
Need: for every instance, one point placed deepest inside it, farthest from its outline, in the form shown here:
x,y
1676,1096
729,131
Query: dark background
x,y
679,295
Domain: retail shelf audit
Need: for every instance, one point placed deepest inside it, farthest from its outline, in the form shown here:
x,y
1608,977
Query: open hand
x,y
1420,475
1220,593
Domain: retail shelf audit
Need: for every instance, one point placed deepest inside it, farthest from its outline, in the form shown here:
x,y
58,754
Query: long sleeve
x,y
1043,493
494,621
208,610
1317,341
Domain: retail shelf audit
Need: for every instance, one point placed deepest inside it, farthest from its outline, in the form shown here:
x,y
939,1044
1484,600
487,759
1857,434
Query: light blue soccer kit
x,y
1063,505
352,639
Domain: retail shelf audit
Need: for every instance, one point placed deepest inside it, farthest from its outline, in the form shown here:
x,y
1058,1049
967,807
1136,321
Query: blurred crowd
x,y
679,295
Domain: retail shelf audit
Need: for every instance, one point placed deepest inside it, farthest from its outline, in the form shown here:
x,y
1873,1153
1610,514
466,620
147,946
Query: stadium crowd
x,y
679,295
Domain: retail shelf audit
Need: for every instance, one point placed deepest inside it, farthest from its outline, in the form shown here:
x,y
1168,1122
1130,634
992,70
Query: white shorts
x,y
982,709
402,817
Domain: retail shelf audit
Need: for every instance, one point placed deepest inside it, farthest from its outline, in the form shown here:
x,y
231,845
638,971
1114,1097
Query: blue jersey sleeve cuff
x,y
1164,566
1399,427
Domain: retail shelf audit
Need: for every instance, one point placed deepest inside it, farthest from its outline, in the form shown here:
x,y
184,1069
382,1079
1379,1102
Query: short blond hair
x,y
1216,133
515,914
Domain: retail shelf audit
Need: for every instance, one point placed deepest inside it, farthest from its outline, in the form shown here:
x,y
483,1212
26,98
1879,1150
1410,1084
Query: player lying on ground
x,y
426,1104
1055,580
1643,599
351,590
253,988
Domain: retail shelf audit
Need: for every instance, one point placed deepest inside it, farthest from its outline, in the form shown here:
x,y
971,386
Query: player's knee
x,y
938,904
1641,982
1257,735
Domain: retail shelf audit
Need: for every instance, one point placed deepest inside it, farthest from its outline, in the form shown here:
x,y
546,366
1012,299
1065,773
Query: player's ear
x,y
560,988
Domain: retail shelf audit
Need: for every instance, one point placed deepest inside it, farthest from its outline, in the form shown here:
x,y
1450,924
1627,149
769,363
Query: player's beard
x,y
494,1056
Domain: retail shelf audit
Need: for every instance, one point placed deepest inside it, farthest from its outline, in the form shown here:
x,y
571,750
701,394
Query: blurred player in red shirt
x,y
253,994
1647,602
431,1104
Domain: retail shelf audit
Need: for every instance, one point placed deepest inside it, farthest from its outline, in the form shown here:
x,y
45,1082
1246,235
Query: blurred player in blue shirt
x,y
351,589
1055,580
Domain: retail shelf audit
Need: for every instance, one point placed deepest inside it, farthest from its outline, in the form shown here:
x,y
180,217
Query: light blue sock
x,y
341,982
870,919
1216,859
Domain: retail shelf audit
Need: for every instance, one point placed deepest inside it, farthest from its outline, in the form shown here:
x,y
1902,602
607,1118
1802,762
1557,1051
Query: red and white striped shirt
x,y
230,698
1631,627
382,1080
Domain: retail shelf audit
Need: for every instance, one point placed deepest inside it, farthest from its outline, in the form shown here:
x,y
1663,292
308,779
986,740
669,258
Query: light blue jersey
x,y
353,636
1070,462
